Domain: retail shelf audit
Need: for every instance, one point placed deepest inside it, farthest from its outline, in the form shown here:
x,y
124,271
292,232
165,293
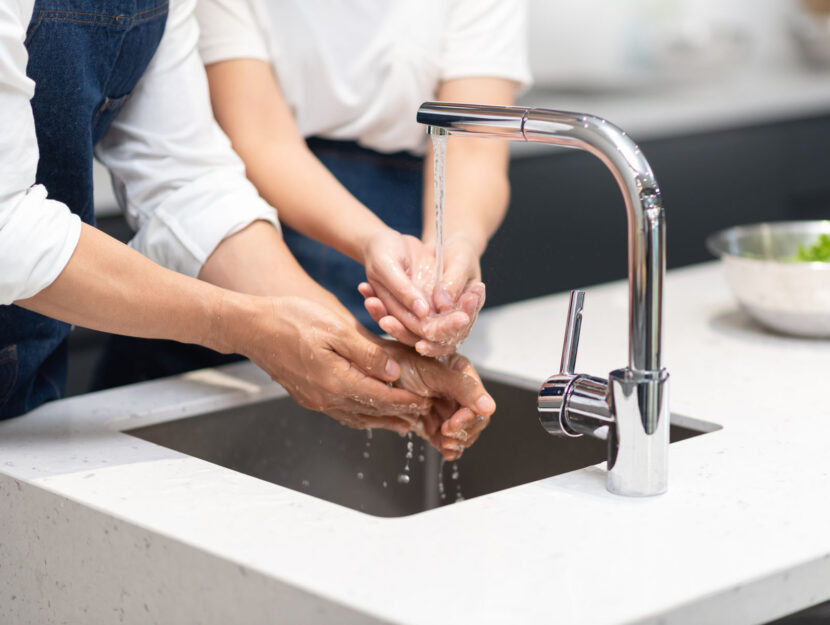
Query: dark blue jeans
x,y
85,57
389,184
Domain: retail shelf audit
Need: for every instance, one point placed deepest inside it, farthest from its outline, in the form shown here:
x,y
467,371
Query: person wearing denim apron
x,y
85,57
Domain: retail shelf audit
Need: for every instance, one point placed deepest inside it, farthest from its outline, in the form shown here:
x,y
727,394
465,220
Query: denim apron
x,y
388,184
85,57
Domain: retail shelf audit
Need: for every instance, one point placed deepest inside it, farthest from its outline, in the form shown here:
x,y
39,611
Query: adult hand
x,y
461,407
327,365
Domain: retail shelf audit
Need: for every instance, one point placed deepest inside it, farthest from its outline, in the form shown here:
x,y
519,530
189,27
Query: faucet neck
x,y
641,194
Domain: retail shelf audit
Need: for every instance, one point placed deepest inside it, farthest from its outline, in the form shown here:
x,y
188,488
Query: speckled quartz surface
x,y
99,527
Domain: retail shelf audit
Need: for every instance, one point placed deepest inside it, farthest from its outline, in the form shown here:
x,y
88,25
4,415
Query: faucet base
x,y
638,447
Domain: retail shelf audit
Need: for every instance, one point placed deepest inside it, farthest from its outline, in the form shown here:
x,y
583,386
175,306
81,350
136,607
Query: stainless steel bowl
x,y
787,296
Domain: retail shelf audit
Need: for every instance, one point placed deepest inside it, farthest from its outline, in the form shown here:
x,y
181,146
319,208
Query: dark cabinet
x,y
566,224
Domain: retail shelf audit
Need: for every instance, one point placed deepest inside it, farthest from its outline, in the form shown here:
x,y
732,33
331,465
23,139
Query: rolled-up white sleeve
x,y
182,187
486,38
37,235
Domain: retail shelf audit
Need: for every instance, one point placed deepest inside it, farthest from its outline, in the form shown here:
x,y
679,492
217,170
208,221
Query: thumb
x,y
448,288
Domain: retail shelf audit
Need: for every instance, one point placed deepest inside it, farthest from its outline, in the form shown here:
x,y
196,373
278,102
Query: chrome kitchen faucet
x,y
630,409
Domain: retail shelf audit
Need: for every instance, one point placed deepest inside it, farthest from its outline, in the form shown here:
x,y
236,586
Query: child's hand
x,y
453,302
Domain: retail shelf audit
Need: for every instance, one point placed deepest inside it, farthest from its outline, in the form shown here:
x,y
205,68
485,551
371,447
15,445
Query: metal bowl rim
x,y
819,226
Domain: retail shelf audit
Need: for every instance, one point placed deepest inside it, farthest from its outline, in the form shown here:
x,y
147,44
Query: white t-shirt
x,y
358,69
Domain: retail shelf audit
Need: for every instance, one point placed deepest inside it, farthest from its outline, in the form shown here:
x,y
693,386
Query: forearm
x,y
109,287
256,261
309,198
250,108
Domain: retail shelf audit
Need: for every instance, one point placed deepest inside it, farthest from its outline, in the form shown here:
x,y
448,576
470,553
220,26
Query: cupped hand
x,y
400,265
454,306
461,407
326,364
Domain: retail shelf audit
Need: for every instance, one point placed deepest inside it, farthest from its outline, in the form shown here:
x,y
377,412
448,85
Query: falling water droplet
x,y
360,475
441,491
403,478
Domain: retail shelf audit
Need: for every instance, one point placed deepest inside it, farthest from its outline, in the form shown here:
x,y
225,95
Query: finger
x,y
430,426
398,310
375,308
365,354
366,289
373,397
472,300
447,328
433,349
463,365
396,330
395,424
448,288
465,426
465,389
452,451
393,277
368,422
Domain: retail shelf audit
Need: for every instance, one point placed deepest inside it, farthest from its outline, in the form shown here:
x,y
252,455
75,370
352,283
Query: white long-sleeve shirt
x,y
175,175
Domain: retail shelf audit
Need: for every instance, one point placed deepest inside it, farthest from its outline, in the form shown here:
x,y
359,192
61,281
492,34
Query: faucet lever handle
x,y
572,330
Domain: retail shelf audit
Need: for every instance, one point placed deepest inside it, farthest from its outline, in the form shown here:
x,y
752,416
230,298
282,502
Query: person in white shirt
x,y
124,77
319,100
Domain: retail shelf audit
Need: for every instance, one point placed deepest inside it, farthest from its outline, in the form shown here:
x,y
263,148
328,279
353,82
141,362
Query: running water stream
x,y
439,152
439,167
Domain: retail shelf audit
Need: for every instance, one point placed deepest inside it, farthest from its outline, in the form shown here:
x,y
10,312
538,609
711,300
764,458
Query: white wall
x,y
594,44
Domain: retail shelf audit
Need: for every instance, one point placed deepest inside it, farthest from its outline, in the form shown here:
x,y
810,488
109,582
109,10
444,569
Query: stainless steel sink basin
x,y
306,451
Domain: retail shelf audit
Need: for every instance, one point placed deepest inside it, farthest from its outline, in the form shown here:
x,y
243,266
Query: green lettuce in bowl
x,y
818,253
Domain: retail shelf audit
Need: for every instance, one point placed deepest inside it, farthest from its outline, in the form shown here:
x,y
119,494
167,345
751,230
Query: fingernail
x,y
392,369
420,307
485,404
453,446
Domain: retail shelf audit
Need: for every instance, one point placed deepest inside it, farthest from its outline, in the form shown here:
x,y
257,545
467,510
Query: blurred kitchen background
x,y
729,100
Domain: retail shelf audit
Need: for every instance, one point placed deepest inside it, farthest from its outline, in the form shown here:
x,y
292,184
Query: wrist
x,y
367,236
474,240
234,320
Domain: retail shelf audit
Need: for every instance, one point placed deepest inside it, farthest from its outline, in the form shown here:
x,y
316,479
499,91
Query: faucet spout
x,y
630,408
641,194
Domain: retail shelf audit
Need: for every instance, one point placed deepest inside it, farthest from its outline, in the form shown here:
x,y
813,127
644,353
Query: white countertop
x,y
741,536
